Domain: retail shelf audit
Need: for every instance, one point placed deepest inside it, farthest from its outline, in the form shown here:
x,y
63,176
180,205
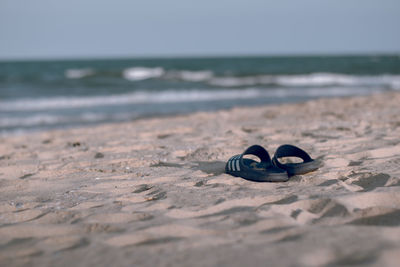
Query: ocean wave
x,y
140,97
42,119
141,73
300,80
41,115
208,77
78,73
309,80
171,96
190,76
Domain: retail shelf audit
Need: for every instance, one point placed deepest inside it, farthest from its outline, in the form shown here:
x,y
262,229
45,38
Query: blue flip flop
x,y
252,170
308,164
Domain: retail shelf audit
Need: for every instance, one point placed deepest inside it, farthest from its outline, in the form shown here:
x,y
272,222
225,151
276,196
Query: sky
x,y
54,29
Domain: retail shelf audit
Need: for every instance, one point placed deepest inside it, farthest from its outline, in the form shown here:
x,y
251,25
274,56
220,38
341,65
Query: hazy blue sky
x,y
99,28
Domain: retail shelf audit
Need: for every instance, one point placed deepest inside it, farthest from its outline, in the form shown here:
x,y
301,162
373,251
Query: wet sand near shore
x,y
153,192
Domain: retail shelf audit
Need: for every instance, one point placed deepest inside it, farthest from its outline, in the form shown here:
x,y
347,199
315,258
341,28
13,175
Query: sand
x,y
153,192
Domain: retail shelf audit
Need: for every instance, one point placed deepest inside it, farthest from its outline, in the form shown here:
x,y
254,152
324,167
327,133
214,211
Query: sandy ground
x,y
153,192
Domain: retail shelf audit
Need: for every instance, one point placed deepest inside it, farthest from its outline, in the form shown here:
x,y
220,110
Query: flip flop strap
x,y
290,151
258,151
236,163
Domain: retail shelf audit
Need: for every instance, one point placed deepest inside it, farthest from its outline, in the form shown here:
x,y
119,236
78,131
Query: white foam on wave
x,y
325,79
395,82
317,79
309,80
170,96
78,73
142,73
295,80
43,119
232,81
140,97
190,76
38,119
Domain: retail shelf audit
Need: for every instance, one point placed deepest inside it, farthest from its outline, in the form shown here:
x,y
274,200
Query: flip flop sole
x,y
252,170
308,164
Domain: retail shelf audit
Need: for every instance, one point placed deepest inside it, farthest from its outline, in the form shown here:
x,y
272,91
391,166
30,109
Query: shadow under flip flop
x,y
210,167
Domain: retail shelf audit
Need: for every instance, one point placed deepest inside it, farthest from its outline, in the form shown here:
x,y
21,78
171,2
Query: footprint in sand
x,y
62,243
115,218
140,240
142,188
17,250
369,181
310,211
328,183
391,218
102,228
21,216
159,241
158,235
156,194
325,210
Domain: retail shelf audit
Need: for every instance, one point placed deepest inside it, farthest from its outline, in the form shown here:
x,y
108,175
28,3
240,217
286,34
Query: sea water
x,y
36,95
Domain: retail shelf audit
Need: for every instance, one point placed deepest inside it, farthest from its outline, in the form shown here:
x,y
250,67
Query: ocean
x,y
37,95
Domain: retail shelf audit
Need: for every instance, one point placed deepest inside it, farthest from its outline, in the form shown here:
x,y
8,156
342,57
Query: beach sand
x,y
153,192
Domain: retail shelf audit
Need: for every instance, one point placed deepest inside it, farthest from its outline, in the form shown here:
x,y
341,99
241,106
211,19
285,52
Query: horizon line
x,y
197,56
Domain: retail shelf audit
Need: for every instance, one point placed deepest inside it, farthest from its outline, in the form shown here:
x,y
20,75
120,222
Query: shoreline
x,y
23,132
153,191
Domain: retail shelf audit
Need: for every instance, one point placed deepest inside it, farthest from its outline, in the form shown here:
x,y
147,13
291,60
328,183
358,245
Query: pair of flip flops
x,y
270,170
